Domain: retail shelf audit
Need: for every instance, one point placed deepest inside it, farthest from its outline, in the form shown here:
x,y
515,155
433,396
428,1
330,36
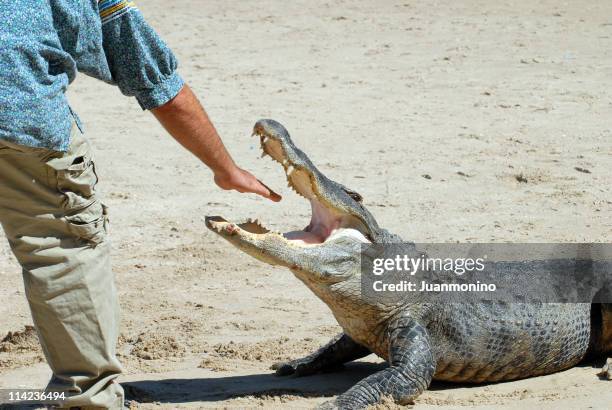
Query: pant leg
x,y
56,226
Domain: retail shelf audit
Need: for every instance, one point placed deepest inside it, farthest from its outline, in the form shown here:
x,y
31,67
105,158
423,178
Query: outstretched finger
x,y
265,191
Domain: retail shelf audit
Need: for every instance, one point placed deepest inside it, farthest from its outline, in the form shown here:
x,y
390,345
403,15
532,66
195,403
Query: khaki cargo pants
x,y
56,226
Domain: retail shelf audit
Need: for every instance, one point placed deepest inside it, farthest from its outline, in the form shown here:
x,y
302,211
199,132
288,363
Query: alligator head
x,y
340,223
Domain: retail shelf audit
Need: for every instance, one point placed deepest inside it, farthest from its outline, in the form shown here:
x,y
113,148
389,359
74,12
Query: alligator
x,y
421,341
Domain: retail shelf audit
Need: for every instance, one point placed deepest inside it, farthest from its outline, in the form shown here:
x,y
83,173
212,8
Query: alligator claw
x,y
296,367
606,372
283,369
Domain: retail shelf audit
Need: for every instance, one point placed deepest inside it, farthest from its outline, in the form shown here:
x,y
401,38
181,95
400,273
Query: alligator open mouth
x,y
331,203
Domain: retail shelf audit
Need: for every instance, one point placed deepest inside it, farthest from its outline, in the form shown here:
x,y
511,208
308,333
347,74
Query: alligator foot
x,y
606,372
336,404
339,350
411,368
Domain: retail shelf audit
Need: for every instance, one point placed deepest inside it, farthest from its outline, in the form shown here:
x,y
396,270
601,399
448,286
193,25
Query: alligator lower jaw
x,y
324,225
253,230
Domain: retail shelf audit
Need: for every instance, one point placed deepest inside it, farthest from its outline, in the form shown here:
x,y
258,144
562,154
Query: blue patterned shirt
x,y
44,43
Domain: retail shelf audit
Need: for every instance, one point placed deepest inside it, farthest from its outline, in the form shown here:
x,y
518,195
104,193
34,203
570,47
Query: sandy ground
x,y
475,121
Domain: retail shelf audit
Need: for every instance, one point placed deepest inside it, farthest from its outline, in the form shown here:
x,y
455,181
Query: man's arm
x,y
142,65
185,119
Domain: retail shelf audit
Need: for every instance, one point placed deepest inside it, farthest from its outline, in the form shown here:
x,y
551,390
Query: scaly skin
x,y
421,341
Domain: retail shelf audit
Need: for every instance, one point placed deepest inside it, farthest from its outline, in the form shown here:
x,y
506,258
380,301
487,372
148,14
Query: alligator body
x,y
420,341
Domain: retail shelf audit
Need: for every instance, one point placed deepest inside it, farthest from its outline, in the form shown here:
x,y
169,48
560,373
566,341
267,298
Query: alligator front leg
x,y
411,369
339,350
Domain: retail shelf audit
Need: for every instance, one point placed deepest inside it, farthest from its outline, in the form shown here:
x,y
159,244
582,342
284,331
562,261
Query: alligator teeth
x,y
290,185
290,169
254,221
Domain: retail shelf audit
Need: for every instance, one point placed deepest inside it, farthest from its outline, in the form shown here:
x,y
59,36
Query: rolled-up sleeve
x,y
140,63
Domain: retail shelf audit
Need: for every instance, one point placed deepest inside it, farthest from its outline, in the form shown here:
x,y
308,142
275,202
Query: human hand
x,y
243,181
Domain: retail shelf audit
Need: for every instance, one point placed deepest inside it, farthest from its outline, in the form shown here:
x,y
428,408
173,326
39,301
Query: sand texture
x,y
457,121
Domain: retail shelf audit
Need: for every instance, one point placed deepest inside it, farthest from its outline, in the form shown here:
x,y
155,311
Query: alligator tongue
x,y
306,237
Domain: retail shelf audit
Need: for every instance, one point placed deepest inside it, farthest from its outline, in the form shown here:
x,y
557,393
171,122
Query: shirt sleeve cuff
x,y
161,93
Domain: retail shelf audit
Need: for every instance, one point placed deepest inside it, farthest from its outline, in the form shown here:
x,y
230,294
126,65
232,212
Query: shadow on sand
x,y
223,388
257,385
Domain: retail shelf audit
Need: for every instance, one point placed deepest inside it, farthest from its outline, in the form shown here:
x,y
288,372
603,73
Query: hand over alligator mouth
x,y
336,210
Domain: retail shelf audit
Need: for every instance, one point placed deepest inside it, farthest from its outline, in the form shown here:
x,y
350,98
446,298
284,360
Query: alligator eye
x,y
354,195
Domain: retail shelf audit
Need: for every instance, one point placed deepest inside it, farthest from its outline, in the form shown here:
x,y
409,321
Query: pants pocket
x,y
75,174
89,224
78,181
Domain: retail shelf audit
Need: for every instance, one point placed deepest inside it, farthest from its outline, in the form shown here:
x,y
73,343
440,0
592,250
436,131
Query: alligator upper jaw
x,y
327,221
